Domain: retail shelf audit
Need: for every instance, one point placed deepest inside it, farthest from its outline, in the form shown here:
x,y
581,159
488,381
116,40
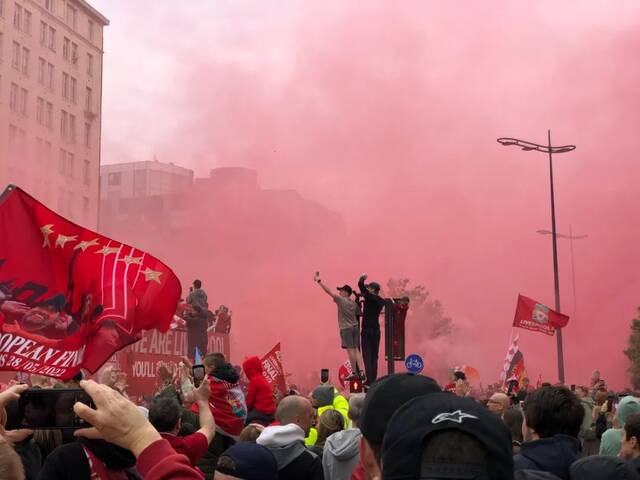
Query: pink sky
x,y
388,113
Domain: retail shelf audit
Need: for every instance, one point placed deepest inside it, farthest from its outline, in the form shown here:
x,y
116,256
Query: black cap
x,y
416,419
388,394
375,286
346,288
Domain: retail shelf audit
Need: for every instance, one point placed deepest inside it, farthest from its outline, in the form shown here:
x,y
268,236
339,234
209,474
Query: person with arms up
x,y
348,324
196,319
373,304
164,415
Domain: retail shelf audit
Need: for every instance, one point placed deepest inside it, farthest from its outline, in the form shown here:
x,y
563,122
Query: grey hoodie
x,y
341,454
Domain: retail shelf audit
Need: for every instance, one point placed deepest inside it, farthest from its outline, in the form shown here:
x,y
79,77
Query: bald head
x,y
498,403
295,409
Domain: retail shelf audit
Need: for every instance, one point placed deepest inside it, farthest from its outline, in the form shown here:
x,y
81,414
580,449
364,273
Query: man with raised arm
x,y
348,324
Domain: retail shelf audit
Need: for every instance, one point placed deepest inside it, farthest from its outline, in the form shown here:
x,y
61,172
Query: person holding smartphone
x,y
348,324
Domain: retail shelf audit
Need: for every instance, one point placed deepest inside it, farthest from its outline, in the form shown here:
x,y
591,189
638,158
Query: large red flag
x,y
69,297
533,315
273,371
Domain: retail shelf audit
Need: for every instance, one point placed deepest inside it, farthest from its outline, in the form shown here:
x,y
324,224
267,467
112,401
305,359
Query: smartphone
x,y
198,374
49,408
324,375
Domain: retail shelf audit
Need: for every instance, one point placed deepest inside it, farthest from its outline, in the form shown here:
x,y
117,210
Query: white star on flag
x,y
107,250
46,231
86,244
63,239
151,275
129,260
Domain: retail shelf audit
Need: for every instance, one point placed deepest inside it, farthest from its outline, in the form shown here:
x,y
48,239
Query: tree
x,y
428,314
633,352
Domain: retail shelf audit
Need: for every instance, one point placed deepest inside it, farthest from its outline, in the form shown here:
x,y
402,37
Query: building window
x,y
89,64
65,85
1,41
40,111
15,56
92,30
64,125
49,117
48,4
86,172
17,16
13,97
47,152
1,8
50,71
66,48
87,135
62,162
51,41
114,178
24,95
43,33
42,67
88,106
74,90
85,206
70,164
72,16
25,61
39,149
72,128
74,53
26,25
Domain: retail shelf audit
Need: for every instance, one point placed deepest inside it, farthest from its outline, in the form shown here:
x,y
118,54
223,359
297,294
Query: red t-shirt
x,y
192,446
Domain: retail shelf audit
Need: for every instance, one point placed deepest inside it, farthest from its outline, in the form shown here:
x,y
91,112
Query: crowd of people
x,y
404,427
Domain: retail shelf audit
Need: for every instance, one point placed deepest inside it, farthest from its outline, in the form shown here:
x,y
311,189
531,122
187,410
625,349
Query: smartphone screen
x,y
198,374
324,375
52,408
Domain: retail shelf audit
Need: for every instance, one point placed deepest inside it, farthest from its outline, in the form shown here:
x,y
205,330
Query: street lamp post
x,y
528,146
571,238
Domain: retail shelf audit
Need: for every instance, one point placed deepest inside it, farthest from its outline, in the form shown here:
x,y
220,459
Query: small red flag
x,y
273,371
533,315
69,297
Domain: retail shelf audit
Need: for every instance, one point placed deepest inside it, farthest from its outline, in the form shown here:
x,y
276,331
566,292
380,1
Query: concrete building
x,y
51,103
140,191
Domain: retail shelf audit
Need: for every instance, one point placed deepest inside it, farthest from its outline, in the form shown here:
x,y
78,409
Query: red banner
x,y
532,315
273,371
141,360
69,297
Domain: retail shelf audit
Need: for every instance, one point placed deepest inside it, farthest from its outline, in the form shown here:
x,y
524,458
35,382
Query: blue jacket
x,y
554,455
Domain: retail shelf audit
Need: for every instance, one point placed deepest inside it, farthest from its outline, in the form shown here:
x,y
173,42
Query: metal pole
x,y
573,271
556,280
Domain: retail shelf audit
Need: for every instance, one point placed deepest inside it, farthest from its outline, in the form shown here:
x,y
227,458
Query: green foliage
x,y
633,352
427,314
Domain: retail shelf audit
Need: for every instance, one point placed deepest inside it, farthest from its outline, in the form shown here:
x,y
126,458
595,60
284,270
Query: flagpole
x,y
556,281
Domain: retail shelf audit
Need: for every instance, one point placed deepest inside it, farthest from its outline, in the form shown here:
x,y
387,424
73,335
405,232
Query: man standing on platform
x,y
348,324
197,319
373,304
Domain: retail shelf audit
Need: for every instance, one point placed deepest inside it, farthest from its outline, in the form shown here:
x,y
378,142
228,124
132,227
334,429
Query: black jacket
x,y
373,305
554,455
69,462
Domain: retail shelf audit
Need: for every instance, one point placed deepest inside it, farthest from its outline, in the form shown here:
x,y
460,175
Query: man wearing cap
x,y
373,304
348,324
247,461
384,397
440,435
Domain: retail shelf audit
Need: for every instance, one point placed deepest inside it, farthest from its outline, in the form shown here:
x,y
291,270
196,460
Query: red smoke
x,y
387,114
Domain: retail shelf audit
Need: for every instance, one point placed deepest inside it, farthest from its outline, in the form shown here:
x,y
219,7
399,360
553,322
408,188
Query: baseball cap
x,y
375,286
417,419
250,462
346,288
388,394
